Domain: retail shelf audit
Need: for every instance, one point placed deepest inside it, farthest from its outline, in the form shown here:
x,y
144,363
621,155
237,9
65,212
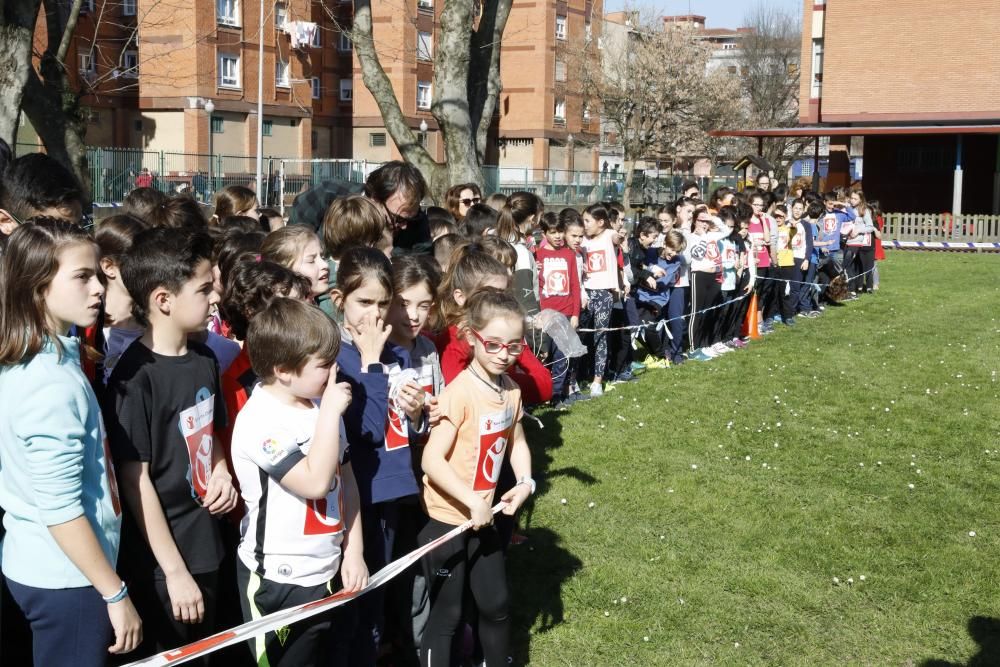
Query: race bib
x,y
597,261
556,272
494,431
323,516
396,432
197,427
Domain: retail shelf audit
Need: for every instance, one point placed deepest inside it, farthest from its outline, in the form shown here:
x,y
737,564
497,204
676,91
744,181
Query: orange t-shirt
x,y
485,424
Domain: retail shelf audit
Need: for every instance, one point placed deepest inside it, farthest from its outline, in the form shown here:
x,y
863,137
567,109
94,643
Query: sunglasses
x,y
494,346
470,202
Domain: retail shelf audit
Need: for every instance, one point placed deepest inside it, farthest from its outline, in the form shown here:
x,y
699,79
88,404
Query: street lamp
x,y
570,163
209,108
423,132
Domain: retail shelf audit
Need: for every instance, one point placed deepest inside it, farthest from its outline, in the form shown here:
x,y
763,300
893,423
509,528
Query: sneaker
x,y
815,313
654,363
699,355
777,318
596,389
638,367
790,322
678,360
574,388
624,376
738,343
720,349
577,397
807,314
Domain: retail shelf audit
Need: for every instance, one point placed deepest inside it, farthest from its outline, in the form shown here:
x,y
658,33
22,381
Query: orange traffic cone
x,y
751,322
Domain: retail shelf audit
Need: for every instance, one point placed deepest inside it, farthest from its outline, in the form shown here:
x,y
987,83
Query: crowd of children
x,y
208,419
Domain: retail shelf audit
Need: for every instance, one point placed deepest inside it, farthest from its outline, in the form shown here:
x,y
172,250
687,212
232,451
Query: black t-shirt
x,y
164,411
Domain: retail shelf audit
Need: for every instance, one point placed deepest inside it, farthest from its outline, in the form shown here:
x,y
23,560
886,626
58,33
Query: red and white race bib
x,y
556,272
197,427
324,517
494,432
396,433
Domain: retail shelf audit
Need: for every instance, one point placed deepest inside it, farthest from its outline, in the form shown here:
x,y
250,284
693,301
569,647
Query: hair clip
x,y
256,258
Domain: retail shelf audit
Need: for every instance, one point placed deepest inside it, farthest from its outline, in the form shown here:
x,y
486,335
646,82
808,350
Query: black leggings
x,y
475,557
706,291
866,256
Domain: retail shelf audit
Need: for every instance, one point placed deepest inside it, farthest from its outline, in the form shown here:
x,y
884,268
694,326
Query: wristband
x,y
117,597
529,482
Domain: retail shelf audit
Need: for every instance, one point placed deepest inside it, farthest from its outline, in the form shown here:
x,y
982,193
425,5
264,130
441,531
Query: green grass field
x,y
728,495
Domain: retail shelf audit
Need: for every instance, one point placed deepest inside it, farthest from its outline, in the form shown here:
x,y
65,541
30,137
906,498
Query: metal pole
x,y
260,101
211,156
956,197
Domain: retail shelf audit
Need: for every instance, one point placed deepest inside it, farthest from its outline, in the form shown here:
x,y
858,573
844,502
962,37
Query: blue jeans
x,y
69,626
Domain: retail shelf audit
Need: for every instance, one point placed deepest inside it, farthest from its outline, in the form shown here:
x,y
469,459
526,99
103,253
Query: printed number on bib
x,y
494,431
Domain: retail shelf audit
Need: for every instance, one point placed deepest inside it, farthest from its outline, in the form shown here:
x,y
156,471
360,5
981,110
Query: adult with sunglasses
x,y
460,198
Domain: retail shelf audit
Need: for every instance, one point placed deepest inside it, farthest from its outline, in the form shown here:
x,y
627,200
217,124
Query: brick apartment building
x,y
149,67
920,82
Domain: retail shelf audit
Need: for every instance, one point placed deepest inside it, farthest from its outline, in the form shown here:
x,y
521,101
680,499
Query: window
x,y
130,64
560,27
560,70
425,4
731,69
281,73
267,128
318,37
314,139
227,12
87,7
344,43
376,139
315,87
817,68
423,95
586,112
587,30
128,7
280,15
425,46
807,168
560,110
88,67
346,90
216,124
728,46
229,71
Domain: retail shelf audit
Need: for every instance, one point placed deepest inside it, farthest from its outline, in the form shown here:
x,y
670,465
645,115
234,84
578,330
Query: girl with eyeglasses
x,y
479,428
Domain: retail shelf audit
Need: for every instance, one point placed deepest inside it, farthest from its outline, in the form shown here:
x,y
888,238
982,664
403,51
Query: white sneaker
x,y
720,348
709,352
596,389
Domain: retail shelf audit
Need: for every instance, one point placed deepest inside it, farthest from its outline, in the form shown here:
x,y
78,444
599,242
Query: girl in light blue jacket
x,y
57,485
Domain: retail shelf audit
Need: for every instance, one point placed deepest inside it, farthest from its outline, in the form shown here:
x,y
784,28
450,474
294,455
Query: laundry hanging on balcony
x,y
301,32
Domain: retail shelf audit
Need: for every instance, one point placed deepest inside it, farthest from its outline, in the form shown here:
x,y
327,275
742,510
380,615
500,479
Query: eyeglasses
x,y
470,202
494,346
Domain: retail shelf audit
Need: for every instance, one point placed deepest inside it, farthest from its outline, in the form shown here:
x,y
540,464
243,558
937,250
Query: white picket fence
x,y
942,227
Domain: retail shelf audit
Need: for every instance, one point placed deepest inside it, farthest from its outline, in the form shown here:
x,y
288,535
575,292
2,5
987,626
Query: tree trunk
x,y
54,109
378,83
17,30
484,70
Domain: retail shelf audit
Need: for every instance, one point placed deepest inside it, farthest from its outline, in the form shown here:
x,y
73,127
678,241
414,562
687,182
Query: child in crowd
x,y
859,260
441,222
235,200
480,419
559,288
572,221
141,202
165,406
481,219
655,289
879,251
115,329
36,185
471,269
602,284
517,219
297,248
703,254
788,273
444,247
737,276
763,234
57,483
415,283
379,454
301,537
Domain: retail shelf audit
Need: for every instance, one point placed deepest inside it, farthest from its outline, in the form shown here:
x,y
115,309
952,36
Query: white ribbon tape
x,y
280,619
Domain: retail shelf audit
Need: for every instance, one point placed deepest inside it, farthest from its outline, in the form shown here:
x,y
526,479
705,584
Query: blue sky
x,y
718,13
